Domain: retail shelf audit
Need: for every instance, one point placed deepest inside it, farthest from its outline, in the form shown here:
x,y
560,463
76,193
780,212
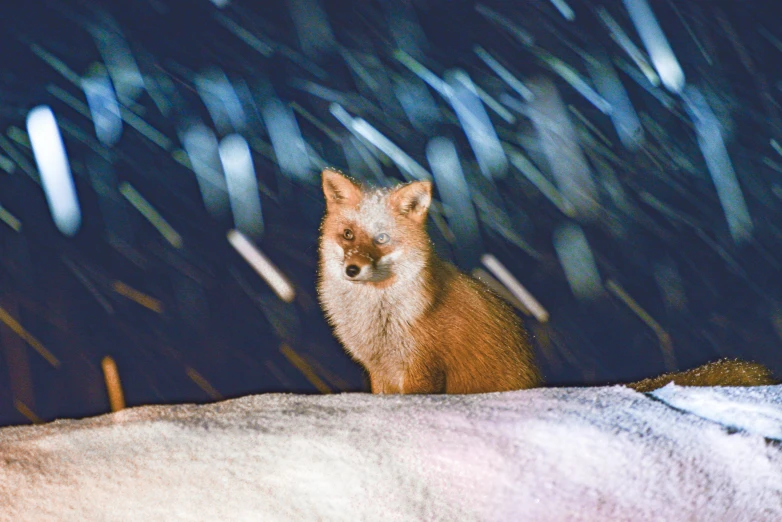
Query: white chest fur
x,y
374,324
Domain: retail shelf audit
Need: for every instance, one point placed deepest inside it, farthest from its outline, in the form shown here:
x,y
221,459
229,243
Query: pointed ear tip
x,y
423,187
331,176
417,186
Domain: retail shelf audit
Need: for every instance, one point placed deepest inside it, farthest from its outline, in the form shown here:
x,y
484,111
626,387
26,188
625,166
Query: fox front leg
x,y
375,385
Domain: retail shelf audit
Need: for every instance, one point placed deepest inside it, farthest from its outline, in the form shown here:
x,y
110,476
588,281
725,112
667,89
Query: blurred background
x,y
613,168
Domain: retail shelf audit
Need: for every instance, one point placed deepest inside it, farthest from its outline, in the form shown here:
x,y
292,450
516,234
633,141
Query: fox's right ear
x,y
339,189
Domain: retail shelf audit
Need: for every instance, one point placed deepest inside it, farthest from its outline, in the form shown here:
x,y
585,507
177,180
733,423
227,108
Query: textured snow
x,y
756,410
545,454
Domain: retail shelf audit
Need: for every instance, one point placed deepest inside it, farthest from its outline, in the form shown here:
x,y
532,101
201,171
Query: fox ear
x,y
339,189
413,200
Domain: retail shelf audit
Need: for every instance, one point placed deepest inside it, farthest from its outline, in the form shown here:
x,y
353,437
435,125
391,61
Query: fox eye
x,y
382,238
348,234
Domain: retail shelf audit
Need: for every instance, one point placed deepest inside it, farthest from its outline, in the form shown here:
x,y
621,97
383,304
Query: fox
x,y
412,320
419,325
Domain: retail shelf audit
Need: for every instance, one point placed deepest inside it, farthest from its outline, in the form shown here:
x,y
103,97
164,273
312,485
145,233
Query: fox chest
x,y
376,327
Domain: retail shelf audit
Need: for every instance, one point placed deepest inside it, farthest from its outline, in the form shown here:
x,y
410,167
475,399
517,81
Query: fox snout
x,y
360,267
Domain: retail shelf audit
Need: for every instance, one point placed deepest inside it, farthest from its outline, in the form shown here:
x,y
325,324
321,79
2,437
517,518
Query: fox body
x,y
415,322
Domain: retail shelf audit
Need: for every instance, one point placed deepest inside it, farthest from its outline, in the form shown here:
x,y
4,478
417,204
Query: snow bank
x,y
547,454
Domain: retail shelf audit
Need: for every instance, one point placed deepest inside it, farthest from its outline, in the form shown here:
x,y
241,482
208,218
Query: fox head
x,y
374,237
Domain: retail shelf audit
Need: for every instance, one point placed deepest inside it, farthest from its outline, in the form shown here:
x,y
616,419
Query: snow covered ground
x,y
547,454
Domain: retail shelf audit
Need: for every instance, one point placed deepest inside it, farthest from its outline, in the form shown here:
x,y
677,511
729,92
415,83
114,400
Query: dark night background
x,y
194,322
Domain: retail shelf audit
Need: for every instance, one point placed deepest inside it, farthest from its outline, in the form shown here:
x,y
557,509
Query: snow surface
x,y
544,454
756,410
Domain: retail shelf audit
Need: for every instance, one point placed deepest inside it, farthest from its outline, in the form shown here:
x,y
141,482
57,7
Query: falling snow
x,y
618,163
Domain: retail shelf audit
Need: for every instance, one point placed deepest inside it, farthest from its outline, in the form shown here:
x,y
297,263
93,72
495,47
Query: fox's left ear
x,y
339,189
413,200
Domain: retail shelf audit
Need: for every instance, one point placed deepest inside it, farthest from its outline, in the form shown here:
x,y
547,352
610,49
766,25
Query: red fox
x,y
415,322
419,325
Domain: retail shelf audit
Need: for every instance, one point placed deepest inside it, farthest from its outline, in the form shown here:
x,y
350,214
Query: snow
x,y
756,410
544,454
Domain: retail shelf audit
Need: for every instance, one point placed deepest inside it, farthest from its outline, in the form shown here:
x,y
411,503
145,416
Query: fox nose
x,y
352,270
